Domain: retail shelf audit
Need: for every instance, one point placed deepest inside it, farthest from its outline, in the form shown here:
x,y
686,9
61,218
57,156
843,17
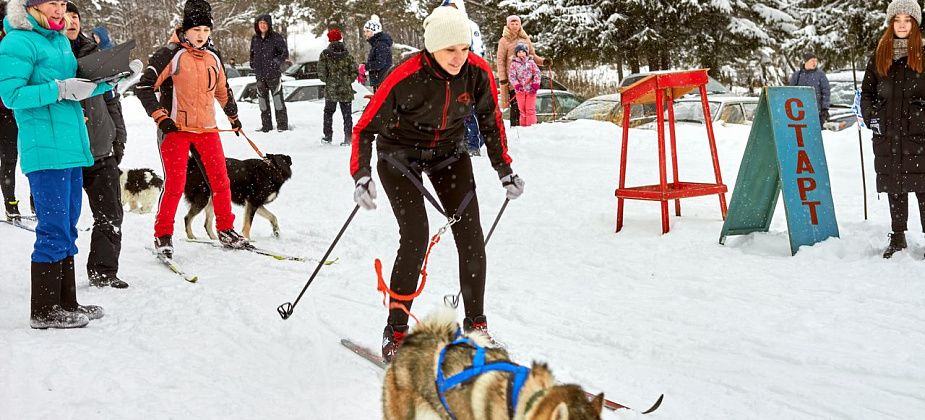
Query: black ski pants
x,y
899,210
8,155
514,110
265,90
451,184
101,182
345,111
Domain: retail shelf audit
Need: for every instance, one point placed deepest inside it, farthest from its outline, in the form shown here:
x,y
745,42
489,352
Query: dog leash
x,y
451,220
199,130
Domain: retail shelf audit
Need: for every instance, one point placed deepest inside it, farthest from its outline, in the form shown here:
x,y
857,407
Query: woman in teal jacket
x,y
37,82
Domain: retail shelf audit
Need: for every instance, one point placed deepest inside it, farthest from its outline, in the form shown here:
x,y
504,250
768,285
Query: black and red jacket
x,y
421,106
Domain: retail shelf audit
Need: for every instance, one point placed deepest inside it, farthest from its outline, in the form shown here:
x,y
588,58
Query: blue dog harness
x,y
478,367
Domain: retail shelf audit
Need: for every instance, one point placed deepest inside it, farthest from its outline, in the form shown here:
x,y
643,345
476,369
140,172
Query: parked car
x,y
723,110
303,70
245,88
313,90
607,108
552,105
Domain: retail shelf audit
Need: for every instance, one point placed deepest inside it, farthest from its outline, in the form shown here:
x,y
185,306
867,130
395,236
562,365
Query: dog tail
x,y
439,325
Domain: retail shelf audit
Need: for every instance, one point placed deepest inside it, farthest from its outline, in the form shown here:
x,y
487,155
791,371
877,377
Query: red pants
x,y
174,156
526,102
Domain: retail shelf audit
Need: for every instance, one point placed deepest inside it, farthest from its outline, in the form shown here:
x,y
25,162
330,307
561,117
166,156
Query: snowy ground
x,y
736,331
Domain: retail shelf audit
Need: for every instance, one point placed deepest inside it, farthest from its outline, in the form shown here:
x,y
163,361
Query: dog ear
x,y
541,373
598,403
561,412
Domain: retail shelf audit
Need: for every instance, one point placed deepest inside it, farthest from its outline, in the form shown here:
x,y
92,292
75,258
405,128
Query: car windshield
x,y
592,109
692,111
842,94
293,68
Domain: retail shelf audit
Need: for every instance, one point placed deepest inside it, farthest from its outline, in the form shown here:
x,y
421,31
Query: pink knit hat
x,y
512,18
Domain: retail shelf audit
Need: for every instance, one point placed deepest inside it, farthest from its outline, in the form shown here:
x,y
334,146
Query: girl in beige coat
x,y
513,34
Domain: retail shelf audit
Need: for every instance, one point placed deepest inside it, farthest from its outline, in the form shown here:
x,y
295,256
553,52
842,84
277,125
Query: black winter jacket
x,y
898,101
421,107
103,113
379,60
268,53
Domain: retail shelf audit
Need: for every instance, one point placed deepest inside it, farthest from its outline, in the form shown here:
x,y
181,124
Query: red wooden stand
x,y
661,89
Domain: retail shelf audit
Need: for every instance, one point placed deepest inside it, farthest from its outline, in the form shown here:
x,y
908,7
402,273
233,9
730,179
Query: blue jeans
x,y
474,139
58,194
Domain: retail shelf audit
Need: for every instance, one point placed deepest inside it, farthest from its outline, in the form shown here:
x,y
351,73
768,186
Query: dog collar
x,y
479,367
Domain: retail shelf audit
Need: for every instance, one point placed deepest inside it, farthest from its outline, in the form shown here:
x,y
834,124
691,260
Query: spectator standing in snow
x,y
102,39
8,153
268,55
893,106
37,82
810,75
474,139
379,60
106,129
338,70
524,76
512,35
416,118
190,76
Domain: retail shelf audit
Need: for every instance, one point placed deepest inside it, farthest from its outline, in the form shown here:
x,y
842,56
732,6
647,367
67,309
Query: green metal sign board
x,y
784,154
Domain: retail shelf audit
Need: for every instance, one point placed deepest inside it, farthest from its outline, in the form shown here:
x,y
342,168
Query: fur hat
x,y
197,13
904,7
445,27
334,35
373,25
72,8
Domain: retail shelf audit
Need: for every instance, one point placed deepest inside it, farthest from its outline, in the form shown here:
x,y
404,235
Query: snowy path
x,y
736,331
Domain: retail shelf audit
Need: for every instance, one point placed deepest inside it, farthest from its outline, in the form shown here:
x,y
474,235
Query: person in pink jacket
x,y
524,75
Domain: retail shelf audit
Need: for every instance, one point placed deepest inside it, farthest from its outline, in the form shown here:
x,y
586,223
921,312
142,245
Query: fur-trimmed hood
x,y
16,15
18,18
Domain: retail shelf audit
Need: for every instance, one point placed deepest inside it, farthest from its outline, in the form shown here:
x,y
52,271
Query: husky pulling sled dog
x,y
473,382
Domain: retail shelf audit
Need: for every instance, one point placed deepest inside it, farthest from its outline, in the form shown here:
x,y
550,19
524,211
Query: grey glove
x,y
75,89
365,193
514,186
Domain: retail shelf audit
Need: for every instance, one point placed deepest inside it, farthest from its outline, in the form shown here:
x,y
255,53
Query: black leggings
x,y
899,210
8,155
451,184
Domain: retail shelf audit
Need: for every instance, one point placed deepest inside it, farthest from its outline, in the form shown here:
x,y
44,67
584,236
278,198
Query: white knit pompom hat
x,y
373,25
445,27
904,7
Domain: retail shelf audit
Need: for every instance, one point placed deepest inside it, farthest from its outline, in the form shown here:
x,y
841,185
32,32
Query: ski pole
x,y
453,300
285,310
860,141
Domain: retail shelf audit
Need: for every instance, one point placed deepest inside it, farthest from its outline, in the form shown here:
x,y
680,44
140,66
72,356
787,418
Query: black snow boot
x,y
392,337
231,239
479,325
46,299
12,211
897,243
106,280
69,292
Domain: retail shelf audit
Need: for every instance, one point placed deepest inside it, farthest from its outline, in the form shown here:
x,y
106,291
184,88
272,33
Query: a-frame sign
x,y
784,154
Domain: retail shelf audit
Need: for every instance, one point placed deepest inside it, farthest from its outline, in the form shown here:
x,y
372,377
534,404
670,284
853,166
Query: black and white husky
x,y
140,189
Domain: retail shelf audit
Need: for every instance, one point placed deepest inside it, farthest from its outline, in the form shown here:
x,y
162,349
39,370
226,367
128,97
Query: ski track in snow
x,y
736,331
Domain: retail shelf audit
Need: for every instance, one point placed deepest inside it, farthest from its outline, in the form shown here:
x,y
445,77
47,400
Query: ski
x,y
20,224
260,251
173,266
377,360
364,352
